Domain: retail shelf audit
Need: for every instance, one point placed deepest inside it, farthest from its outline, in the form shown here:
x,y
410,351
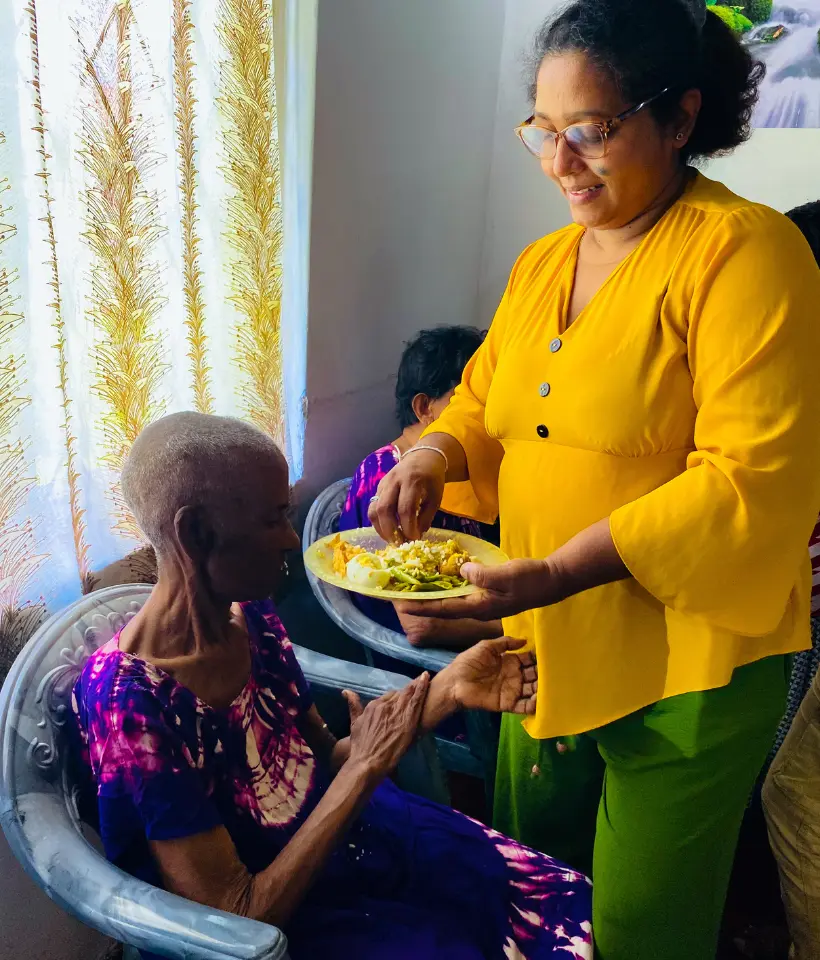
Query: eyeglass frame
x,y
606,127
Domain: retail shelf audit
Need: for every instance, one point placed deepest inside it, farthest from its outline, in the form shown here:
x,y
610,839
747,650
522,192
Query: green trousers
x,y
650,806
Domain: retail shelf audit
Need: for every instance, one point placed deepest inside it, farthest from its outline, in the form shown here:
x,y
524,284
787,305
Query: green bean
x,y
403,577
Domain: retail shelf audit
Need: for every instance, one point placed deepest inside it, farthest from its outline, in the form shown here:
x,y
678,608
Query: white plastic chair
x,y
41,803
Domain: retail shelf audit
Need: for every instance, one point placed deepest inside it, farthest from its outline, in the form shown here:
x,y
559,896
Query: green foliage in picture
x,y
758,11
733,17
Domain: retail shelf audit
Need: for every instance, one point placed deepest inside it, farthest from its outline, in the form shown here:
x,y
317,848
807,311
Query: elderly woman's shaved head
x,y
218,466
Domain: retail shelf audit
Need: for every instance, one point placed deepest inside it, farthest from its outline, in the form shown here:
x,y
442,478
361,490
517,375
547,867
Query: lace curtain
x,y
140,261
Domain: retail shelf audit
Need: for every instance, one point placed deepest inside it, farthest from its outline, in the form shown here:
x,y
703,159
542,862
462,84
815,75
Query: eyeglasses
x,y
587,140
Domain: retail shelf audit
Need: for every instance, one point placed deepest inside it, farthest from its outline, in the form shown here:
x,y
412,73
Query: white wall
x,y
521,204
777,167
405,108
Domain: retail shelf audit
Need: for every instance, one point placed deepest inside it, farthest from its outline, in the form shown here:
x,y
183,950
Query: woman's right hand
x,y
408,497
383,731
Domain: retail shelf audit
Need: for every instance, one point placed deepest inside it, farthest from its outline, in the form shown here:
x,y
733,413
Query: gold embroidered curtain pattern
x,y
140,261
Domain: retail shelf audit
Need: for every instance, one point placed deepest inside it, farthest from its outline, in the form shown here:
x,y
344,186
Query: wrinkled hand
x,y
383,731
504,590
408,497
420,631
447,634
489,677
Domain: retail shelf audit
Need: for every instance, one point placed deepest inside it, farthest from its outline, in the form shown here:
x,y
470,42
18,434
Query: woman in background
x,y
431,365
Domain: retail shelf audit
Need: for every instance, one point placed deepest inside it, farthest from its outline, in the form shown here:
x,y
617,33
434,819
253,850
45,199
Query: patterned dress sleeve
x,y
144,759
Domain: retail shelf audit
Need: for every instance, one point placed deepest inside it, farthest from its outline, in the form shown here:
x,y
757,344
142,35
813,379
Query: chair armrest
x,y
333,674
100,895
338,605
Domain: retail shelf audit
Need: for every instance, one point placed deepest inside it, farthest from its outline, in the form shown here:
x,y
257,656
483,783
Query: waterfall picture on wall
x,y
785,35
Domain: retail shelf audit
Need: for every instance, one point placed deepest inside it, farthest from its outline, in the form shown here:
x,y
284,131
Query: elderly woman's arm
x,y
322,742
485,677
206,867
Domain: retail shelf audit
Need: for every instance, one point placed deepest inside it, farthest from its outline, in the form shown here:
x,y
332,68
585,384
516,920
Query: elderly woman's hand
x,y
383,731
491,676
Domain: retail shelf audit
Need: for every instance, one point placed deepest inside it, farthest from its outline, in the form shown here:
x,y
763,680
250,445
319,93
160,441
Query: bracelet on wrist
x,y
432,449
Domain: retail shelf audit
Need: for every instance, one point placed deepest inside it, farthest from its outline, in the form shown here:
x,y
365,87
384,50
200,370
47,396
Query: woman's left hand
x,y
504,591
489,677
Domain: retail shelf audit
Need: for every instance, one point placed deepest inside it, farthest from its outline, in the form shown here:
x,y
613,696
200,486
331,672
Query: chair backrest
x,y
323,516
35,709
39,802
36,706
322,520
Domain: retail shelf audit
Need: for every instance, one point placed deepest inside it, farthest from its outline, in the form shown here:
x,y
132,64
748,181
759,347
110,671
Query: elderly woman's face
x,y
247,558
641,157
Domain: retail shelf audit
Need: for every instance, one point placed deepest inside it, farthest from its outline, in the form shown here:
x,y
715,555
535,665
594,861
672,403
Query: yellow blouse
x,y
683,404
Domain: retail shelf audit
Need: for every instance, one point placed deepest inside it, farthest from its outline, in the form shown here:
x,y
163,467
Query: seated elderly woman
x,y
217,779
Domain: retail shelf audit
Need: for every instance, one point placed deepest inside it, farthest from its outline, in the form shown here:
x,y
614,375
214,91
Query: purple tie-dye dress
x,y
410,880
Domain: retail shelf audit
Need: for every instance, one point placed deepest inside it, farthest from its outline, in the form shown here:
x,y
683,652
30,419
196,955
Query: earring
x,y
679,136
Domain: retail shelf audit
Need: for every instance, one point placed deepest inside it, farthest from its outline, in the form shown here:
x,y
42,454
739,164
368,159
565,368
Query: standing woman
x,y
644,415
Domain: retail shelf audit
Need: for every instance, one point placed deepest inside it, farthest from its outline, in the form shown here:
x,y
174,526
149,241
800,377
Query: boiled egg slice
x,y
367,570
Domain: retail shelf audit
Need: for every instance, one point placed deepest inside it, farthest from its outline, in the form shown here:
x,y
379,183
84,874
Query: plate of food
x,y
430,569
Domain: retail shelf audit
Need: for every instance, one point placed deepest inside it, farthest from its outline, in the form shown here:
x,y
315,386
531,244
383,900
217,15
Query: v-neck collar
x,y
571,266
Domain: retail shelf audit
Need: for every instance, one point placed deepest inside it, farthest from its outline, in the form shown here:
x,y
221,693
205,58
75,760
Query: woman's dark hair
x,y
807,220
432,363
647,45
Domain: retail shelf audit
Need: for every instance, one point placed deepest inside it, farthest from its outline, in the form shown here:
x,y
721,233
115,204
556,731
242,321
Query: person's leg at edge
x,y
791,802
547,793
678,778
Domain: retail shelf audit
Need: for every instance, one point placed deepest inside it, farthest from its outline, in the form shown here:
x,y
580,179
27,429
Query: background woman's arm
x,y
450,635
319,738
